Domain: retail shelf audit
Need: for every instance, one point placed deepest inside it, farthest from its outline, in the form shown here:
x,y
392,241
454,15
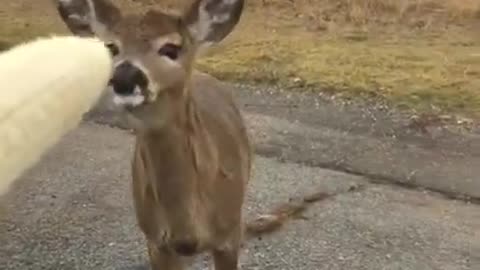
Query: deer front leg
x,y
163,259
226,257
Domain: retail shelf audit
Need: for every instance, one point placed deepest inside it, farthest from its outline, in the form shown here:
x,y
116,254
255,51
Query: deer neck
x,y
170,152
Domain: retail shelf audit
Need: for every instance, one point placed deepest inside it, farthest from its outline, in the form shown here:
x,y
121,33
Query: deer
x,y
192,160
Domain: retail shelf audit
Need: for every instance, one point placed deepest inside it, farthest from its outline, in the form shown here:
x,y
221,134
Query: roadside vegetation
x,y
418,54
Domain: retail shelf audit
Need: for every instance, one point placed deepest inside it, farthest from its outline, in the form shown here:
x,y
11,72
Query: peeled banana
x,y
46,85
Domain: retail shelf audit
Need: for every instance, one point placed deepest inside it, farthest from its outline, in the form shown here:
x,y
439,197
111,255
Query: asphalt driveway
x,y
73,211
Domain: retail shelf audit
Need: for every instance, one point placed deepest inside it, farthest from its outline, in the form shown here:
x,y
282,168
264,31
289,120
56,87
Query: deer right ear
x,y
88,17
210,21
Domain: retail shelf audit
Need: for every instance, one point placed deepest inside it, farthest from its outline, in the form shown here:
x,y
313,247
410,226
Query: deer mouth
x,y
130,101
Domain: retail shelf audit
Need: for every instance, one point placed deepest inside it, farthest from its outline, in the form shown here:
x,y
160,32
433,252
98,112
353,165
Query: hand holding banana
x,y
46,87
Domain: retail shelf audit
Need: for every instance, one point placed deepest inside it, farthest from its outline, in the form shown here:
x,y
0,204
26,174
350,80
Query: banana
x,y
46,85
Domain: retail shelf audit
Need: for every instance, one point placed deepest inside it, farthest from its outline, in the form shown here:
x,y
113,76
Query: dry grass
x,y
424,54
394,11
420,54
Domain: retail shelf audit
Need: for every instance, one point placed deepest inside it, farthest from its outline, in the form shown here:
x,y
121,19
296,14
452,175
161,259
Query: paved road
x,y
365,139
73,211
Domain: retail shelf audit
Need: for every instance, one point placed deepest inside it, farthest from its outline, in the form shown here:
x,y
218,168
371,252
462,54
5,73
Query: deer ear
x,y
87,17
210,21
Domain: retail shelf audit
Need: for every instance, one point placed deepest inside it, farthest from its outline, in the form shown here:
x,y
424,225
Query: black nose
x,y
126,77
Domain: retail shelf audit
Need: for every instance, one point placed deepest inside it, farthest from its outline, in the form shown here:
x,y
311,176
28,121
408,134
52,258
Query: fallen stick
x,y
46,86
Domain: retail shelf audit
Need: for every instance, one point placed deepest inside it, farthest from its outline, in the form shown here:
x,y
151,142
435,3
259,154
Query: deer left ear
x,y
210,21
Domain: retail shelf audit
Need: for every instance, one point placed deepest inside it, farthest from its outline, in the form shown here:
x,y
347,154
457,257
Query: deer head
x,y
153,52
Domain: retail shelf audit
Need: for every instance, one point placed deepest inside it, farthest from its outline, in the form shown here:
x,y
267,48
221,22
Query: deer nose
x,y
126,78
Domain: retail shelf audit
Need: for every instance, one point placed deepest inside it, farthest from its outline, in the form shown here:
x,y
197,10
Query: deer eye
x,y
114,50
170,50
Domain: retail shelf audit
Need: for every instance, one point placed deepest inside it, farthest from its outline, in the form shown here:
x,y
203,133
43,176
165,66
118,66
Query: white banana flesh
x,y
46,86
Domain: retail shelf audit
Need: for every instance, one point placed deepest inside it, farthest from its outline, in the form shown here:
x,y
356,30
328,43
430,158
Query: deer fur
x,y
192,159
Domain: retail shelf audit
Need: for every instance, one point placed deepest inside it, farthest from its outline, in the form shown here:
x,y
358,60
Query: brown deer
x,y
192,159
